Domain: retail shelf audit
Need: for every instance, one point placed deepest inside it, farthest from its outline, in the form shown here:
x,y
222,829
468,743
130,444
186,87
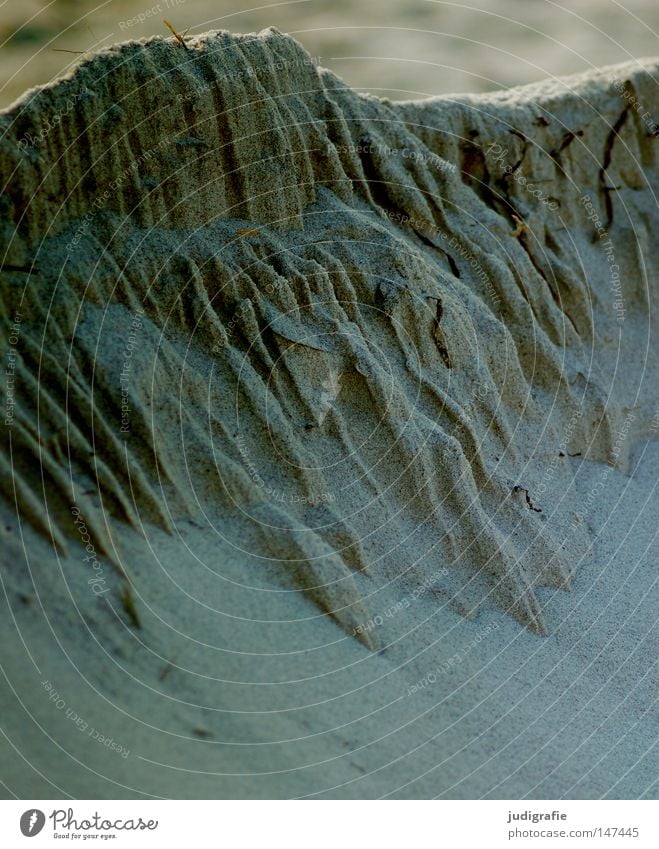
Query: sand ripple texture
x,y
355,340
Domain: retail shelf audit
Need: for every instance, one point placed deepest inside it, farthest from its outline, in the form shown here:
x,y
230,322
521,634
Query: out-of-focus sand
x,y
397,49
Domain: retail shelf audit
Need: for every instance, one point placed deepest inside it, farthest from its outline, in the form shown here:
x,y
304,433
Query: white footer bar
x,y
330,824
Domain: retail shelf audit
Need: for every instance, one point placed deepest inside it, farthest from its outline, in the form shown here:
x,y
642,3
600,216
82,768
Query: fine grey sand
x,y
330,429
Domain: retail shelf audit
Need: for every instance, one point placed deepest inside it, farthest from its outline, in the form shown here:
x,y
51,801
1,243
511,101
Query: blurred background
x,y
395,48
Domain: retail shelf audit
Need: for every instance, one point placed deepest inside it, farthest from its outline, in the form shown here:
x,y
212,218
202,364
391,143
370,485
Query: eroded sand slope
x,y
337,356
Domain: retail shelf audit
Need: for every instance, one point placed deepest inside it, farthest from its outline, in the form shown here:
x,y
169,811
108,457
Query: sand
x,y
330,430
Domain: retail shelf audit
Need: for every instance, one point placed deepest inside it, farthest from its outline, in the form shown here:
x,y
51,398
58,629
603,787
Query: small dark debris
x,y
541,121
444,354
437,333
202,733
519,134
567,139
454,266
606,162
164,672
529,503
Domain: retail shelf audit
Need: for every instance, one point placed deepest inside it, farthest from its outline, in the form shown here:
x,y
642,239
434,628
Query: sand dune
x,y
319,405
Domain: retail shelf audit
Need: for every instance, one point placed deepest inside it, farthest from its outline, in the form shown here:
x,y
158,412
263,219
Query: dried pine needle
x,y
176,35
